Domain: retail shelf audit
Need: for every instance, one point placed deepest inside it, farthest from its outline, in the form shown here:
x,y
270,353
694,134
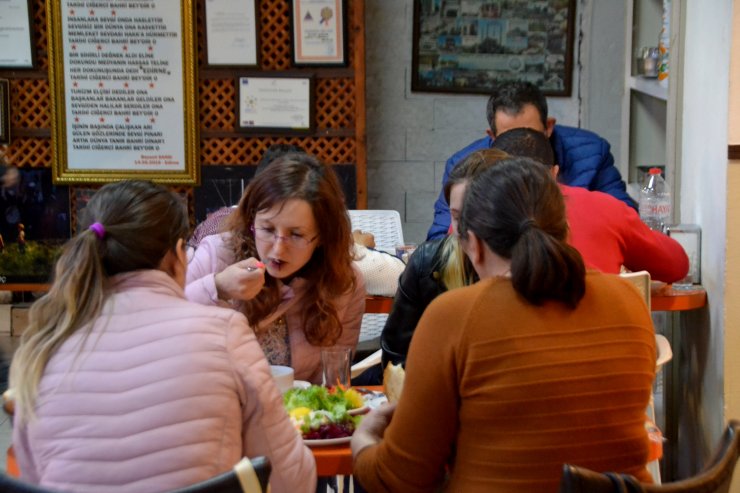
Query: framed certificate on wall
x,y
123,91
231,33
279,104
319,32
16,35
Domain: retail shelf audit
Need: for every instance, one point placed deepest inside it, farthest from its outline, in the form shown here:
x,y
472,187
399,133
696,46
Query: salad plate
x,y
326,442
321,415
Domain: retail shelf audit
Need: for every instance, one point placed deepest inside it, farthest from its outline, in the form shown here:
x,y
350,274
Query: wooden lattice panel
x,y
275,37
31,103
335,103
331,150
38,10
28,152
200,32
217,104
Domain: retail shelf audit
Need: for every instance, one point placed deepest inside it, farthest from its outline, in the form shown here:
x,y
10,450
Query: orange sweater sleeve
x,y
419,440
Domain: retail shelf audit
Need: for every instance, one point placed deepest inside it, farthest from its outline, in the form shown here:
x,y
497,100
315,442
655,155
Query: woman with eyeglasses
x,y
285,262
538,364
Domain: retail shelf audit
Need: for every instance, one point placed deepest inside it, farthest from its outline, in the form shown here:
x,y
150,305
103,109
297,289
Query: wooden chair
x,y
641,280
715,478
248,476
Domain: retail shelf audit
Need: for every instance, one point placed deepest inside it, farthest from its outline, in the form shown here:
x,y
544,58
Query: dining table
x,y
665,298
333,460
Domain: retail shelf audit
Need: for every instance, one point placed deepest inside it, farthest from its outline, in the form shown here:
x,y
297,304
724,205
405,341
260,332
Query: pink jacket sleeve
x,y
211,257
267,428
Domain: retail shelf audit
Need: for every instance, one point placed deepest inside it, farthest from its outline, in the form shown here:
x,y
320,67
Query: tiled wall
x,y
411,135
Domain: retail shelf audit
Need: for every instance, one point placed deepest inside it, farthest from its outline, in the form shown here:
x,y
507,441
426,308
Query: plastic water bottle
x,y
655,201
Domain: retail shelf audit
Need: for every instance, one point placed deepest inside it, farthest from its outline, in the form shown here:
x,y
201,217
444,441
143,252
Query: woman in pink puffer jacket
x,y
122,385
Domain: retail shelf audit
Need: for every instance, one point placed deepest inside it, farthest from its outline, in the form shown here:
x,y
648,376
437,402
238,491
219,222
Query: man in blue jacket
x,y
584,157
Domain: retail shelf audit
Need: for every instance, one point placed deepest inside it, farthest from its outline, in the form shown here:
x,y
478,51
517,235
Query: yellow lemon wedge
x,y
299,412
354,398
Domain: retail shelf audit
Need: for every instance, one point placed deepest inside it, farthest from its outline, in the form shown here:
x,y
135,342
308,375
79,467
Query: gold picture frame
x,y
116,109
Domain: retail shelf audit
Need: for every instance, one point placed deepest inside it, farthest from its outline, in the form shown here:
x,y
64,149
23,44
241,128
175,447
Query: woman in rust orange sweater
x,y
538,364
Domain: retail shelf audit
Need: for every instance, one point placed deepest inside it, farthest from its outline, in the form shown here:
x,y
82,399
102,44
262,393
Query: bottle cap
x,y
655,171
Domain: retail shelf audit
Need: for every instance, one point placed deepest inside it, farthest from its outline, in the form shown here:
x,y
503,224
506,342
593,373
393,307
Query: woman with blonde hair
x,y
285,263
435,267
123,385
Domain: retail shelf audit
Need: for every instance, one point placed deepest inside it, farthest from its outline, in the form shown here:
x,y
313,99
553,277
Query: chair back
x,y
640,280
9,484
715,478
248,476
385,225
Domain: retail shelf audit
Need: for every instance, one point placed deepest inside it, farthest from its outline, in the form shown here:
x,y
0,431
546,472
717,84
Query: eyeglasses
x,y
293,240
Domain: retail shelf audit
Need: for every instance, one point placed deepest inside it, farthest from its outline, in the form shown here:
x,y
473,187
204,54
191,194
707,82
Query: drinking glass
x,y
283,376
335,364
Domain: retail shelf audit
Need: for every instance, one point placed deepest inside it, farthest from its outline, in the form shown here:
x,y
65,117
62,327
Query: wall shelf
x,y
651,109
651,87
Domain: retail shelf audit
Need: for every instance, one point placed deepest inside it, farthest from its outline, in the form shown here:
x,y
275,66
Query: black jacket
x,y
418,285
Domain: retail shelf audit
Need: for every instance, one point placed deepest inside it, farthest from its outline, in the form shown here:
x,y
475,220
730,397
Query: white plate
x,y
301,384
327,442
374,401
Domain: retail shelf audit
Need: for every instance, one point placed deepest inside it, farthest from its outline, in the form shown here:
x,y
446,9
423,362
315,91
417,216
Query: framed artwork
x,y
319,32
16,35
471,45
231,33
4,112
34,224
123,93
276,104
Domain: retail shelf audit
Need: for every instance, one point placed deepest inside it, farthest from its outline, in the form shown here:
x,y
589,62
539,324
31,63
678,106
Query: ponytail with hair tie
x,y
506,201
526,225
98,229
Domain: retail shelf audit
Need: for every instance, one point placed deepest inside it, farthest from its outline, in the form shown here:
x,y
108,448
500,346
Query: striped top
x,y
503,392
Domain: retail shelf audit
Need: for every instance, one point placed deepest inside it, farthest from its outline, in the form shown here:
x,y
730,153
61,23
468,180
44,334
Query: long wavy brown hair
x,y
329,271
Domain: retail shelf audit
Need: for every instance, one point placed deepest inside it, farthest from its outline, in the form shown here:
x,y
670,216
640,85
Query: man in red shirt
x,y
608,233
